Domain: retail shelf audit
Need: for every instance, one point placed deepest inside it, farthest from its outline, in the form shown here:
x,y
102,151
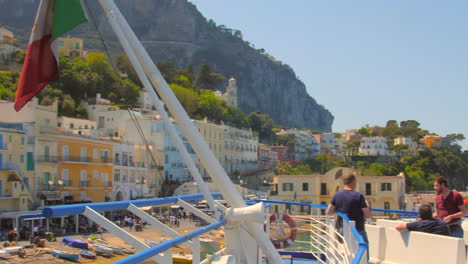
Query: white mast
x,y
205,154
160,107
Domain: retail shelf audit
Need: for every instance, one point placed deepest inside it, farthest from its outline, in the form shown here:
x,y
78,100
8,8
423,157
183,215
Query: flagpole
x,y
202,149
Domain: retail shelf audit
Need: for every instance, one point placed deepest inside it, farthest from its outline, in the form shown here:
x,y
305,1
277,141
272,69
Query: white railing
x,y
328,244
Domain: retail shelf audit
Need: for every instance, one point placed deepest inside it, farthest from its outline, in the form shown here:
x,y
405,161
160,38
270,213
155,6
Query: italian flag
x,y
53,18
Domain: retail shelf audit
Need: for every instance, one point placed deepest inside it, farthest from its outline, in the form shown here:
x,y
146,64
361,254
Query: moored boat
x,y
103,250
71,242
150,243
13,249
86,254
64,254
127,251
115,249
4,254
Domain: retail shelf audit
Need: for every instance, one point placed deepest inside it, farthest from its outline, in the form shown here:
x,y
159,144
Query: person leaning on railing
x,y
427,224
352,203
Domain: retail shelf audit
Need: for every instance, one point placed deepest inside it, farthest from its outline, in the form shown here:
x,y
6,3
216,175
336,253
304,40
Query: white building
x,y
146,101
373,146
306,145
78,126
240,149
405,141
131,179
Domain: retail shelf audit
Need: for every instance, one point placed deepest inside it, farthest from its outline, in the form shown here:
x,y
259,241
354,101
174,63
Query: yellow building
x,y
385,192
71,47
74,168
16,168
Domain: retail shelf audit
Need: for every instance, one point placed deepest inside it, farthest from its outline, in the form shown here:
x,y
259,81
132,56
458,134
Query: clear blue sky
x,y
367,61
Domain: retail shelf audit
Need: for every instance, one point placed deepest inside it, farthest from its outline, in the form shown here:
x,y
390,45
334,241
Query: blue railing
x,y
74,209
358,258
152,251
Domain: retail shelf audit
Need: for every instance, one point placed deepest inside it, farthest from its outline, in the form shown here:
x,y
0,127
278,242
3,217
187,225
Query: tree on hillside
x,y
456,137
409,128
187,97
234,116
364,131
167,70
211,107
207,79
125,66
263,125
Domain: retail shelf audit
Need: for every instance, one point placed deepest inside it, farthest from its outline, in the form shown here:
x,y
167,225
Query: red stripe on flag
x,y
39,68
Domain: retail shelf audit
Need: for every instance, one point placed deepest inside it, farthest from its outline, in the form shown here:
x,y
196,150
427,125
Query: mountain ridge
x,y
174,30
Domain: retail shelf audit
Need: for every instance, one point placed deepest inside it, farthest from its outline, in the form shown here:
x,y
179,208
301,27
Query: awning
x,y
32,217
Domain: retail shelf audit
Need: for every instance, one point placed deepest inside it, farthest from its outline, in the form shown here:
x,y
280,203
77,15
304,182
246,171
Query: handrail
x,y
74,209
148,253
362,245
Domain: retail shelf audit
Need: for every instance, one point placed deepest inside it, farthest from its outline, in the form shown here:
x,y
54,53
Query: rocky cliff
x,y
174,30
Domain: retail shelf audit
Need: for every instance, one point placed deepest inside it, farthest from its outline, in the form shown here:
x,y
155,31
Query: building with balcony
x,y
131,179
267,158
74,168
214,137
386,192
78,126
405,141
305,144
282,152
71,47
327,142
373,146
341,146
240,149
16,167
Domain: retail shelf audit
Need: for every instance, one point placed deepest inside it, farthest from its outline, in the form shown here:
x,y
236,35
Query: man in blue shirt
x,y
427,224
351,203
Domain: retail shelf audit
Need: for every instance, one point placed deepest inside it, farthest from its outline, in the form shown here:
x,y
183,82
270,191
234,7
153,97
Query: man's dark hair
x,y
441,179
425,211
348,179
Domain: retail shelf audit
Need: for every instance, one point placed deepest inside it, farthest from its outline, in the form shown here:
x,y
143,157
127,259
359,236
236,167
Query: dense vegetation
x,y
83,78
420,170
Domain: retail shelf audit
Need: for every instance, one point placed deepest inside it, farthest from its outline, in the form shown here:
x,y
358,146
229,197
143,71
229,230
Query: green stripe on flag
x,y
67,15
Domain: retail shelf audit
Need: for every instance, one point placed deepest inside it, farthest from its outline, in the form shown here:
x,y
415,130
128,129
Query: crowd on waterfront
x,y
26,230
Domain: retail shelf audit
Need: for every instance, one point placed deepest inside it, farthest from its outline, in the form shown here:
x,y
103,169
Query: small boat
x,y
182,258
115,249
150,243
86,254
127,251
64,254
13,249
71,242
4,254
96,240
102,250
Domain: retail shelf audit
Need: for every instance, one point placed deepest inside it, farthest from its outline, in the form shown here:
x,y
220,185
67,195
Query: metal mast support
x,y
124,235
113,21
205,154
